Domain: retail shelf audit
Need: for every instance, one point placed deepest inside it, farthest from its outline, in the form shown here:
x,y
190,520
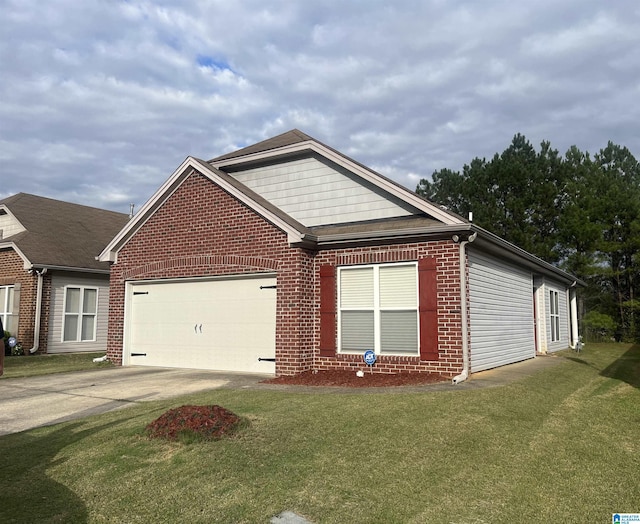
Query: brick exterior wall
x,y
446,254
201,230
12,273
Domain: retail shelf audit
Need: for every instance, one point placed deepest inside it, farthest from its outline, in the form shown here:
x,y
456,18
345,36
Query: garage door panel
x,y
224,325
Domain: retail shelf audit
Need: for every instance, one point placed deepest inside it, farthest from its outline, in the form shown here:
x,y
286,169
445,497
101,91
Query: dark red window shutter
x,y
327,311
428,308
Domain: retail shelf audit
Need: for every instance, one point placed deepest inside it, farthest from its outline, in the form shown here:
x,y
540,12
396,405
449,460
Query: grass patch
x,y
559,446
34,365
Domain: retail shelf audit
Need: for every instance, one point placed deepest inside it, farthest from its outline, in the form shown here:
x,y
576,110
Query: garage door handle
x,y
195,328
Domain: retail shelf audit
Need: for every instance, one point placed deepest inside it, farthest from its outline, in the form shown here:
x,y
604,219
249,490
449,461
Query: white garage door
x,y
226,324
501,313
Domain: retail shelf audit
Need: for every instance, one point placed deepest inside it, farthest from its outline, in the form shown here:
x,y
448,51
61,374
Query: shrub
x,y
194,423
599,327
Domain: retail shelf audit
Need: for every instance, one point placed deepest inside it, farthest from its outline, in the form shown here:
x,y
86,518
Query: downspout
x,y
463,307
36,328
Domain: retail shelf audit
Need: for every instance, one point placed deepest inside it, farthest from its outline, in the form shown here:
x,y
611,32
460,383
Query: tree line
x,y
577,211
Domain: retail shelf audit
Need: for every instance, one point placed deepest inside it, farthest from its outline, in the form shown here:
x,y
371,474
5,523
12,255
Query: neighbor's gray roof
x,y
60,234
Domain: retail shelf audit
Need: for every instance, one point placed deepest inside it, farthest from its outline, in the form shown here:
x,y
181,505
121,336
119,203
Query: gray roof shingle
x,y
294,136
62,234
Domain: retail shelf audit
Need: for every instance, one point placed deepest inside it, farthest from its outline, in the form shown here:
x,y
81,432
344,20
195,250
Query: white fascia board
x,y
361,171
110,253
11,245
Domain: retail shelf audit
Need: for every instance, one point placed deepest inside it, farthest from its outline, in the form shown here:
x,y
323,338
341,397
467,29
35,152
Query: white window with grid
x,y
378,309
80,312
6,307
554,315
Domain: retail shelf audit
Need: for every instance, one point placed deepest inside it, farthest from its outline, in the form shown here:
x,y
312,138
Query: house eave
x,y
50,267
343,240
492,243
486,241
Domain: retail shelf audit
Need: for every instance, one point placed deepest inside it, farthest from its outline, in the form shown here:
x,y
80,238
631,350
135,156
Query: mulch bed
x,y
208,422
343,378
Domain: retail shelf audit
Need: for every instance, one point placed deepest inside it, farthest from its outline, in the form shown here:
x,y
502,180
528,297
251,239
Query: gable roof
x,y
294,143
430,222
60,235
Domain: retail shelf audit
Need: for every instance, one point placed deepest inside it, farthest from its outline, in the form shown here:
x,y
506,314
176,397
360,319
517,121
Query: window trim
x,y
554,314
6,309
377,309
80,315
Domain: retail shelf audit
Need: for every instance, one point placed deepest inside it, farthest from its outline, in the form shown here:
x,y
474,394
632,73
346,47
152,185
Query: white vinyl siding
x,y
557,317
378,309
317,193
9,226
500,312
87,325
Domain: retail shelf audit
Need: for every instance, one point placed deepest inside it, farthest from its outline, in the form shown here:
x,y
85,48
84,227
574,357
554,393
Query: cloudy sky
x,y
100,100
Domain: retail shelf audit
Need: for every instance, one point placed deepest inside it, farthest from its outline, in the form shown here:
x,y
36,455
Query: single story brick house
x,y
54,294
287,256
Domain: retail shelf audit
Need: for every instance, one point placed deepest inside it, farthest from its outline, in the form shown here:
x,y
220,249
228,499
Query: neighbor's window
x,y
80,311
378,309
555,315
6,307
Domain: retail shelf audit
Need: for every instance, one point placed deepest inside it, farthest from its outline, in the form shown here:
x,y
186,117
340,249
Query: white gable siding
x,y
500,313
315,193
56,316
9,226
563,309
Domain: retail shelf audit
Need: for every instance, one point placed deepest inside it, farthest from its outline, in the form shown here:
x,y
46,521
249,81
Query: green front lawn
x,y
559,446
32,365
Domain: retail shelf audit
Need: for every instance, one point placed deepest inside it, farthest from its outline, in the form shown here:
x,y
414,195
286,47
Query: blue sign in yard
x,y
369,357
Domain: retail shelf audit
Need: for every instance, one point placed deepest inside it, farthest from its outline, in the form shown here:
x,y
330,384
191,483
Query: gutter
x,y
36,328
463,307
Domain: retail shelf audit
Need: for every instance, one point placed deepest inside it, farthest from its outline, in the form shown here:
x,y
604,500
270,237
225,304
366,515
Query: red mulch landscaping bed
x,y
206,422
349,379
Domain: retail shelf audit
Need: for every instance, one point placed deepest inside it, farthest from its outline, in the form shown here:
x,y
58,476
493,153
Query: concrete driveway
x,y
27,403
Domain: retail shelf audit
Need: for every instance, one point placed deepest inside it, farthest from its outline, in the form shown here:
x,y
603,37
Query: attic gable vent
x,y
3,212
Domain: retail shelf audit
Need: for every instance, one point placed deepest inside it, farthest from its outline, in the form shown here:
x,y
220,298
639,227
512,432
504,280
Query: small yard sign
x,y
369,357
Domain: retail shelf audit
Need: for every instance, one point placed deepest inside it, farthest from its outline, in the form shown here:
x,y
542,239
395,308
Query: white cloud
x,y
107,98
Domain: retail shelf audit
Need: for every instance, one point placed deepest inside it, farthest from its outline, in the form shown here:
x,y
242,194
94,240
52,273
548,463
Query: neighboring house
x,y
288,256
54,293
